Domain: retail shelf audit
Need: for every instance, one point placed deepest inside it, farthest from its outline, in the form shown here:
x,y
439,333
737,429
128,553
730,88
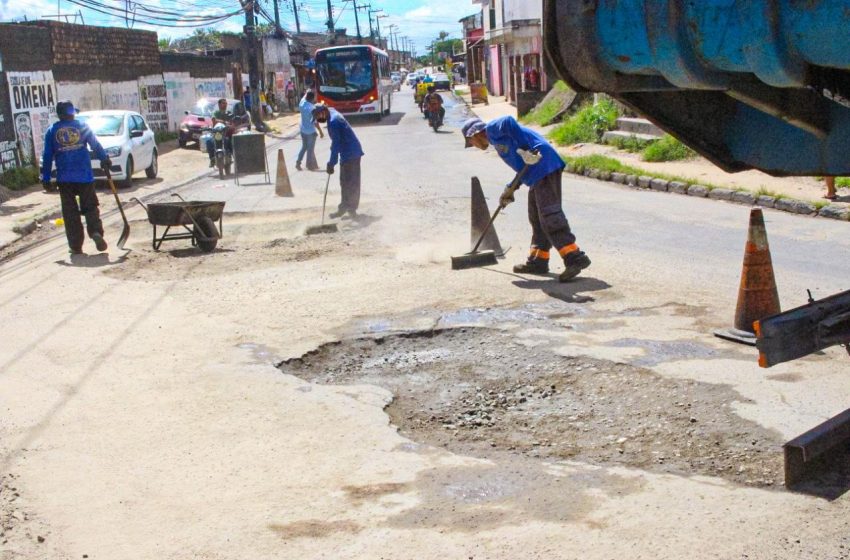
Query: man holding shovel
x,y
519,146
345,149
66,142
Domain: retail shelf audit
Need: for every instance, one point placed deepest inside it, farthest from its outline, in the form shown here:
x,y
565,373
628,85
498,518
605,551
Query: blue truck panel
x,y
761,84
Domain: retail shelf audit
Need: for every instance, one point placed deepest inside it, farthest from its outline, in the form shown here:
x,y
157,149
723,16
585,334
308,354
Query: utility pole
x,y
276,17
294,10
378,21
330,18
391,48
253,63
357,22
368,8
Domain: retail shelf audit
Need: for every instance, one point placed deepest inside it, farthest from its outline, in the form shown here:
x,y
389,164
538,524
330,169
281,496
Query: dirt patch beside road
x,y
477,391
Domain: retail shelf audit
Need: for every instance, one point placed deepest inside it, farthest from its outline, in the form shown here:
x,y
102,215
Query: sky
x,y
420,20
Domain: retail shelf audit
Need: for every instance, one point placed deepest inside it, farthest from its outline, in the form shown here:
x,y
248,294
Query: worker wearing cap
x,y
66,142
519,146
345,149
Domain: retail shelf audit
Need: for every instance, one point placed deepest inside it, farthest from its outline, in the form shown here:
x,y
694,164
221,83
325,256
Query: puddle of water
x,y
660,351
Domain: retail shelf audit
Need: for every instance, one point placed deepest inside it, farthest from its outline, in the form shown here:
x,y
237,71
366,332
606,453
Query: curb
x,y
747,198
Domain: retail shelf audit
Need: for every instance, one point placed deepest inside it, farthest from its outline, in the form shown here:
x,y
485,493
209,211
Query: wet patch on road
x,y
314,528
481,392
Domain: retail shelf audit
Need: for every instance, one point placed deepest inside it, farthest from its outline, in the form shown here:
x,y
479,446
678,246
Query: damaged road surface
x,y
481,391
348,396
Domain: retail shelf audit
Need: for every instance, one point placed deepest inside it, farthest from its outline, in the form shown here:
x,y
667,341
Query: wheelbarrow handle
x,y
178,196
142,204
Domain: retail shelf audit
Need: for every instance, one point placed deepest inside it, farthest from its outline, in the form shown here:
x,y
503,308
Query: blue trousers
x,y
308,148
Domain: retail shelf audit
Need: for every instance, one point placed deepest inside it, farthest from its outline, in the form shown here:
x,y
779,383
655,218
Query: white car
x,y
129,142
412,78
396,78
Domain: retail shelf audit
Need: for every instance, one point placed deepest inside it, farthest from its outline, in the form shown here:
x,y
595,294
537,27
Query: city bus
x,y
354,80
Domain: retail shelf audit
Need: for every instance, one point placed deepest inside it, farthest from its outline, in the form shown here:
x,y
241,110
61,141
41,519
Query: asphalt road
x,y
142,414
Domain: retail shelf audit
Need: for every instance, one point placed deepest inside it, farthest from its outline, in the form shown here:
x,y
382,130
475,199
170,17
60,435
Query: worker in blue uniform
x,y
519,146
347,151
68,142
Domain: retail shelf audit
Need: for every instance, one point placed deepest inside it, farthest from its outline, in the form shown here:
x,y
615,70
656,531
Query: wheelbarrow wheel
x,y
206,234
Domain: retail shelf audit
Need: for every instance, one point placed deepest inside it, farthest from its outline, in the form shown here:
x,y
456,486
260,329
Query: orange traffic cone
x,y
282,186
757,296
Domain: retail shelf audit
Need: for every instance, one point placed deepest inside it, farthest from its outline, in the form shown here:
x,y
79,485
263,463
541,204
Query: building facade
x,y
513,47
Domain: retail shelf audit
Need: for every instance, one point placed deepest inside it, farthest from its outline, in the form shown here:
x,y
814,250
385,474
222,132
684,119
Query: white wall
x,y
84,95
180,93
522,9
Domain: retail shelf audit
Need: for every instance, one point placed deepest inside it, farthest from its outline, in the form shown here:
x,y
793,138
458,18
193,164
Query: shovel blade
x,y
326,228
474,260
125,235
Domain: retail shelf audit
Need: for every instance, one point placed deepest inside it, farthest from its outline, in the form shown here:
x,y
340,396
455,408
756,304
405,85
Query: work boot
x,y
212,163
533,266
298,165
337,214
99,242
75,251
574,263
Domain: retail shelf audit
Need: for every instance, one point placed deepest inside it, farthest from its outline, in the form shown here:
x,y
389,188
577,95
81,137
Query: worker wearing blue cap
x,y
66,142
519,146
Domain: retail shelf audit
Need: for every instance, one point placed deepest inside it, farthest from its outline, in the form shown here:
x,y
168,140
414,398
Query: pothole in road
x,y
478,391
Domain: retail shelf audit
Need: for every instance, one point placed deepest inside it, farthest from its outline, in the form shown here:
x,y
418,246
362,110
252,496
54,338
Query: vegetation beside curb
x,y
19,178
604,168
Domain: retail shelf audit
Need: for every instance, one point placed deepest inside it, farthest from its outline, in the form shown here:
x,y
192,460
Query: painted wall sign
x,y
154,102
33,102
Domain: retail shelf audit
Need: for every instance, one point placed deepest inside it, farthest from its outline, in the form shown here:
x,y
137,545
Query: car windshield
x,y
204,108
345,72
104,125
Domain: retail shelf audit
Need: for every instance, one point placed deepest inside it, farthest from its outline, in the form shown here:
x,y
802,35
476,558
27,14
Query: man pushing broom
x,y
519,146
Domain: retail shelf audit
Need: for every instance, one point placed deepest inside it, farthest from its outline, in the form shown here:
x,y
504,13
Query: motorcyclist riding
x,y
434,104
221,116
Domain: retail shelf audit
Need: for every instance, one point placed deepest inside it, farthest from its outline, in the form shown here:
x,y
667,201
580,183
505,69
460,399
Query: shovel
x,y
474,258
125,233
323,228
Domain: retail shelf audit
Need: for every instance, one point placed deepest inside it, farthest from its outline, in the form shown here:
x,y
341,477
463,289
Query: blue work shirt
x,y
344,144
66,141
307,125
507,136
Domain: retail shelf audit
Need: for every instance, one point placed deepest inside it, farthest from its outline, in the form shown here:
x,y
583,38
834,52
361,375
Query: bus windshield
x,y
345,73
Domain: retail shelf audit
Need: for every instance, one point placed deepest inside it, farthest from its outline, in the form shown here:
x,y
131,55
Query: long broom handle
x,y
514,185
325,199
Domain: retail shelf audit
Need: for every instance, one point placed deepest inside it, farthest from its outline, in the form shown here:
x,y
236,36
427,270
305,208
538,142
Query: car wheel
x,y
181,141
128,180
389,106
153,169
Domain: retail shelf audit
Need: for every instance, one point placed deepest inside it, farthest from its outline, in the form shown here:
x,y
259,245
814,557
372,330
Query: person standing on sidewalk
x,y
310,129
345,149
549,225
66,142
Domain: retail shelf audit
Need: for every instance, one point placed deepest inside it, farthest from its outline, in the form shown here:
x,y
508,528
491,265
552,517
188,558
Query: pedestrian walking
x,y
549,224
310,129
67,142
290,94
345,149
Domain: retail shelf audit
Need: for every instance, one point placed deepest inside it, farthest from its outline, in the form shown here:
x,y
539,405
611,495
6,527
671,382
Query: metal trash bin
x,y
249,155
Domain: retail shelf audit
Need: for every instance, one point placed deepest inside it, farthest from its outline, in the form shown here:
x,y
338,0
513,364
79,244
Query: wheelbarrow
x,y
201,215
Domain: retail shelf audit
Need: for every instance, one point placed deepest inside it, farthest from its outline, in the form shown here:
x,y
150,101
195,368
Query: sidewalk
x,y
34,208
697,170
